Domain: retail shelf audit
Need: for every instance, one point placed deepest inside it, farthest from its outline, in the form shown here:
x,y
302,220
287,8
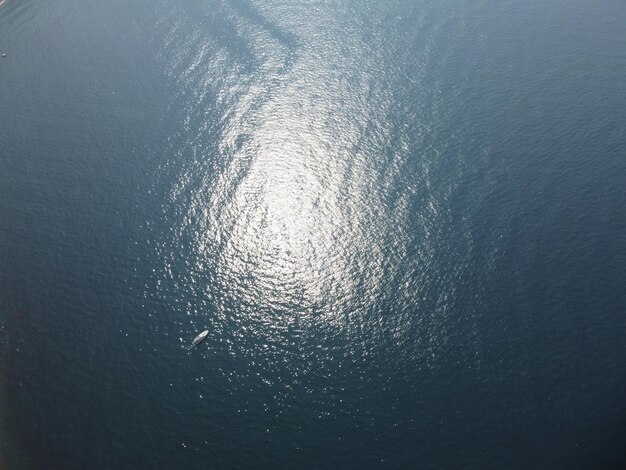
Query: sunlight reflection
x,y
290,236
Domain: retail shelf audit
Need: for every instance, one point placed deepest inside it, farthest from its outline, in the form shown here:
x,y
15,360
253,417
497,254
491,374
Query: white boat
x,y
198,339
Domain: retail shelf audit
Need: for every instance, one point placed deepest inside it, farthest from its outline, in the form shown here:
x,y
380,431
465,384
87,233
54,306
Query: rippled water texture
x,y
297,207
401,223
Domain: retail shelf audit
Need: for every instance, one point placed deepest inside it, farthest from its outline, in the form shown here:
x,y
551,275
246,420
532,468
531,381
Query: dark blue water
x,y
402,224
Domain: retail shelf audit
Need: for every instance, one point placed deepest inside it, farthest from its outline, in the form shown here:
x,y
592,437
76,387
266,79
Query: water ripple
x,y
298,214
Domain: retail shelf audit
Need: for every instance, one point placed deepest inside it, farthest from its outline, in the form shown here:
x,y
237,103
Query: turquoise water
x,y
401,222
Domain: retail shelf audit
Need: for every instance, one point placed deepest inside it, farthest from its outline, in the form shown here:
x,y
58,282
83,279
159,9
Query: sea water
x,y
401,222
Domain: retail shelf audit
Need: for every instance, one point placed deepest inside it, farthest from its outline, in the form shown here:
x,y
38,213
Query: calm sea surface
x,y
402,222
